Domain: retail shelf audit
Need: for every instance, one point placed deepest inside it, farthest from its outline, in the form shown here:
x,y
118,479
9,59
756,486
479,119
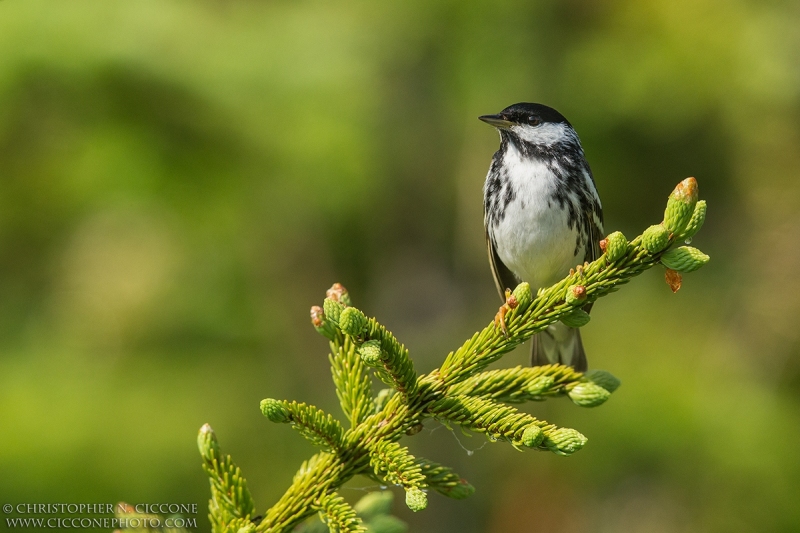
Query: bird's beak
x,y
498,121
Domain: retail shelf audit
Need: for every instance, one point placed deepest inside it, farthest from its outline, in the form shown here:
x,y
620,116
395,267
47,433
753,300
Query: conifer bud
x,y
207,443
416,499
603,378
523,294
565,441
576,319
274,410
352,322
332,309
370,353
684,259
655,238
589,394
680,206
539,385
615,246
321,324
576,294
532,436
696,222
317,316
338,293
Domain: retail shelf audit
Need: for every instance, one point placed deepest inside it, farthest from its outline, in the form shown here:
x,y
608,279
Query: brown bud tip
x,y
603,245
336,292
673,279
512,301
576,294
686,190
317,316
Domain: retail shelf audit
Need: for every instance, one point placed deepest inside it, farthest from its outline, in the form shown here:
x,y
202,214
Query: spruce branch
x,y
379,348
519,384
394,464
522,384
497,420
461,391
374,511
443,480
230,499
339,515
353,386
312,423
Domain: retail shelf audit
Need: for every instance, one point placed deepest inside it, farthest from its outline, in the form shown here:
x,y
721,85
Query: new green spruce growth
x,y
565,441
231,505
392,463
589,394
696,222
655,238
373,511
615,246
460,392
532,437
370,353
332,309
576,295
352,322
319,428
444,481
523,294
684,259
338,515
680,206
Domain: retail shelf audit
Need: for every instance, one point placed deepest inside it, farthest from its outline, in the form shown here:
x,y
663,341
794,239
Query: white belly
x,y
534,239
539,247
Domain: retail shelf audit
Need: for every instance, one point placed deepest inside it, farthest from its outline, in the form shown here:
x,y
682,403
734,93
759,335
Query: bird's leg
x,y
500,317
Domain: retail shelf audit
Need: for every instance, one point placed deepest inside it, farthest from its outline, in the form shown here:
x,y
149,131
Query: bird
x,y
542,215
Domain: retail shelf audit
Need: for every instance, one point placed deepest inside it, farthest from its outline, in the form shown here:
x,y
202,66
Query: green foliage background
x,y
180,181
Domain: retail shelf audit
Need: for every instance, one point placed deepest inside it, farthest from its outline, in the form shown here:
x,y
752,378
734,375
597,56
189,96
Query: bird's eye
x,y
534,120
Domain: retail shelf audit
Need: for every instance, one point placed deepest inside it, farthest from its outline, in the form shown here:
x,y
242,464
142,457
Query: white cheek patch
x,y
544,134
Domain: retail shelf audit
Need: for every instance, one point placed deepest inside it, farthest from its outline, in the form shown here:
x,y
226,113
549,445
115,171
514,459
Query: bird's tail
x,y
559,344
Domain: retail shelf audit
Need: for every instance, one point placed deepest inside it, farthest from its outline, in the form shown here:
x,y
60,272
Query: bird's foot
x,y
500,317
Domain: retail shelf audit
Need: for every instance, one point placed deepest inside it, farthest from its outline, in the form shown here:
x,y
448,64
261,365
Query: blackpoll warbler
x,y
542,214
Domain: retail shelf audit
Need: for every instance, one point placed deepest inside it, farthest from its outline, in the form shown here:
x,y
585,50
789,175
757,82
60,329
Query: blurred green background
x,y
181,181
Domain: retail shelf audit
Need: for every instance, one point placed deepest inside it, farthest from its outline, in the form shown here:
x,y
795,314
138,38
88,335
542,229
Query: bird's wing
x,y
503,277
594,225
595,231
594,228
545,349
